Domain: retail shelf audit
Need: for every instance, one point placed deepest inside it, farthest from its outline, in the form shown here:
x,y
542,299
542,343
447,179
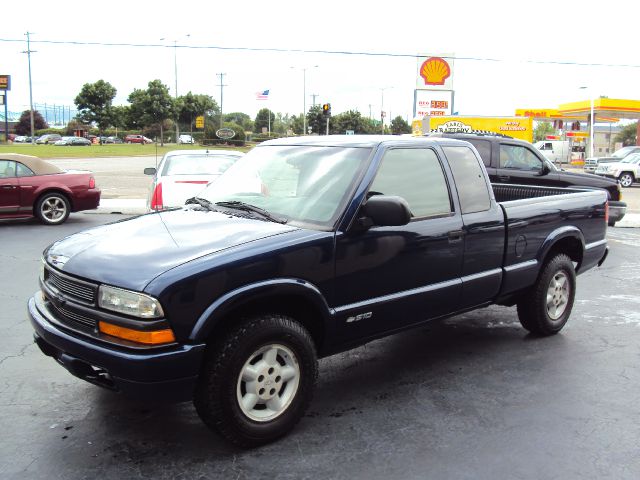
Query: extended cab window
x,y
484,149
416,175
469,178
518,157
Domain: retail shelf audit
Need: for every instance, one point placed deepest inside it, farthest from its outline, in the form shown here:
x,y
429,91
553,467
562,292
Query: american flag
x,y
264,95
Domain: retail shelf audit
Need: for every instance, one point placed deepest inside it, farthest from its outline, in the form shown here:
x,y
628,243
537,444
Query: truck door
x,y
391,277
483,226
9,187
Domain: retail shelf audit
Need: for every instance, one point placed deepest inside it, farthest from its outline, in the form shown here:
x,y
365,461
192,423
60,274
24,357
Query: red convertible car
x,y
31,187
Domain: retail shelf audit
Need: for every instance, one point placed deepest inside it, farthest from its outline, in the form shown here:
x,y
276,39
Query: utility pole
x,y
28,51
314,95
221,75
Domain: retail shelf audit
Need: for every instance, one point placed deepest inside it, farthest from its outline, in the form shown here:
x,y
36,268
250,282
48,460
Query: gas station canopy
x,y
608,110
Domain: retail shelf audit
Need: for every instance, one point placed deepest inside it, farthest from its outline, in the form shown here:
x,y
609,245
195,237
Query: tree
x,y
628,134
542,130
152,106
94,103
316,120
262,120
241,119
399,126
190,106
23,127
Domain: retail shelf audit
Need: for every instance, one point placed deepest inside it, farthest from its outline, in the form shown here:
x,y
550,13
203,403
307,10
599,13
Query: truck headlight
x,y
128,302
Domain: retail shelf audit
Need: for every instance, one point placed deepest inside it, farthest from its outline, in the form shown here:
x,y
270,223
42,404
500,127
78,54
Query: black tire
x,y
626,179
52,208
222,385
541,315
611,223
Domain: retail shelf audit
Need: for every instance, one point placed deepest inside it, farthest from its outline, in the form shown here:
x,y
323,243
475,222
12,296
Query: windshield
x,y
307,185
623,152
195,164
631,158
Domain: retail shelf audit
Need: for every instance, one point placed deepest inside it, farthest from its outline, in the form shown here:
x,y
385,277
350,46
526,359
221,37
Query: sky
x,y
508,54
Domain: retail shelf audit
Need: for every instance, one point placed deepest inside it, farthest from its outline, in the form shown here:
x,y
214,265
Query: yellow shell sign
x,y
435,71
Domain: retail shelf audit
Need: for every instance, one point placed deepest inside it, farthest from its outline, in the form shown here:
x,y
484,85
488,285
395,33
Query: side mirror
x,y
149,171
386,211
544,170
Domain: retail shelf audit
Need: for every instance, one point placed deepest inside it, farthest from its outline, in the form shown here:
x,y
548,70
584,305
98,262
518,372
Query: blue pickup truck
x,y
304,248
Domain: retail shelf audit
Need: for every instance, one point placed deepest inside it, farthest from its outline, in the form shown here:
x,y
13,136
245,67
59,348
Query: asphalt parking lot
x,y
471,397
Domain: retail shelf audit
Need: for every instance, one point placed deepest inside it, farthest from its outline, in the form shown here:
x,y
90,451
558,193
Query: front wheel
x,y
547,307
52,208
258,380
626,179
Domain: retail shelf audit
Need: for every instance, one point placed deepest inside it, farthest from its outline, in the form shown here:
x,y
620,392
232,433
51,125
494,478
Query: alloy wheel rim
x,y
268,382
53,209
558,295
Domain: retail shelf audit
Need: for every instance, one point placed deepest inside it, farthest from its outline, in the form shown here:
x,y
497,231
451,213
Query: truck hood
x,y
133,252
604,159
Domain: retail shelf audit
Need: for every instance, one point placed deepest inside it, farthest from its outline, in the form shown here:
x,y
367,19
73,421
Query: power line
x,y
324,52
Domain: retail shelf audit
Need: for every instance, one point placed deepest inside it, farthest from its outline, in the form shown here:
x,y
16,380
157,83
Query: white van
x,y
186,139
558,151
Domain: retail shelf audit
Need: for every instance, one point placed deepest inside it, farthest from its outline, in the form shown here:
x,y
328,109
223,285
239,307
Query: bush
x,y
210,137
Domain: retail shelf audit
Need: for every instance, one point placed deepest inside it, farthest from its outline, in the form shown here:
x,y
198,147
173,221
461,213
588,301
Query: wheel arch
x,y
568,240
296,298
56,189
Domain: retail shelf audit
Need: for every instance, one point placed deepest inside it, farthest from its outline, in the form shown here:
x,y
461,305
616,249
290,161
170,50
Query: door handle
x,y
455,236
504,178
8,187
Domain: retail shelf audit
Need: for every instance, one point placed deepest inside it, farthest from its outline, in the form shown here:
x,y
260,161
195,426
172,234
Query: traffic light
x,y
326,109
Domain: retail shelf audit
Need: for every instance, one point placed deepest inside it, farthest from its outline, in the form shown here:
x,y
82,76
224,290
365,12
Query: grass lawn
x,y
109,150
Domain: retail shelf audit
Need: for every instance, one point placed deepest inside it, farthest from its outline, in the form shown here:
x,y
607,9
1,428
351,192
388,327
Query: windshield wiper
x,y
250,208
202,202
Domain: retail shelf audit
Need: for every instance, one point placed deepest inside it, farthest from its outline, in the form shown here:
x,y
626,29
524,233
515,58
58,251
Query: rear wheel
x,y
547,307
52,208
626,179
258,380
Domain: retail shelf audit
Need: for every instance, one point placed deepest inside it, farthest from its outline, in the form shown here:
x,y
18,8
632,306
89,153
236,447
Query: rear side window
x,y
416,175
484,149
473,191
518,158
24,171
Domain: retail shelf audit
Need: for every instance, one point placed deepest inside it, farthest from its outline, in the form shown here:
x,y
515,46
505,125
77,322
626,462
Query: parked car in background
x,y
49,138
74,141
591,164
112,140
137,139
20,139
181,174
188,139
626,171
31,187
513,161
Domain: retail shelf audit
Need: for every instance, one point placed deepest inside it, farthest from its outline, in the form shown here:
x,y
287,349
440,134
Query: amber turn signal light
x,y
153,337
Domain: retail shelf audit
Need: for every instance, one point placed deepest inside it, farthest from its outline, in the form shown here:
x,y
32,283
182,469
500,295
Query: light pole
x,y
382,105
175,75
29,52
304,98
591,122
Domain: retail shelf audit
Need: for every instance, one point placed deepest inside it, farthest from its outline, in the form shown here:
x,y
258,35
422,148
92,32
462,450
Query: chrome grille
x,y
76,289
67,316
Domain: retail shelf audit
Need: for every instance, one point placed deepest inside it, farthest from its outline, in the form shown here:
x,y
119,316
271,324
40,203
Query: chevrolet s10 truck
x,y
304,248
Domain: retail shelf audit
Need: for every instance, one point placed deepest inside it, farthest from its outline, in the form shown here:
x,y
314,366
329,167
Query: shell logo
x,y
435,71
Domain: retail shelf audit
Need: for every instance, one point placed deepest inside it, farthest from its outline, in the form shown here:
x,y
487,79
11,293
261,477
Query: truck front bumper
x,y
617,210
163,374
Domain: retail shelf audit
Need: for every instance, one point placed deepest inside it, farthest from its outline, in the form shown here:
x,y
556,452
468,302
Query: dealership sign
x,y
225,133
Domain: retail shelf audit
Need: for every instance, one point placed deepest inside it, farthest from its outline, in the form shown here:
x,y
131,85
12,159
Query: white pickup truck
x,y
626,171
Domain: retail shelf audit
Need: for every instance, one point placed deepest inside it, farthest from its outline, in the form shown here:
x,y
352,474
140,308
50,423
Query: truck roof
x,y
360,141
